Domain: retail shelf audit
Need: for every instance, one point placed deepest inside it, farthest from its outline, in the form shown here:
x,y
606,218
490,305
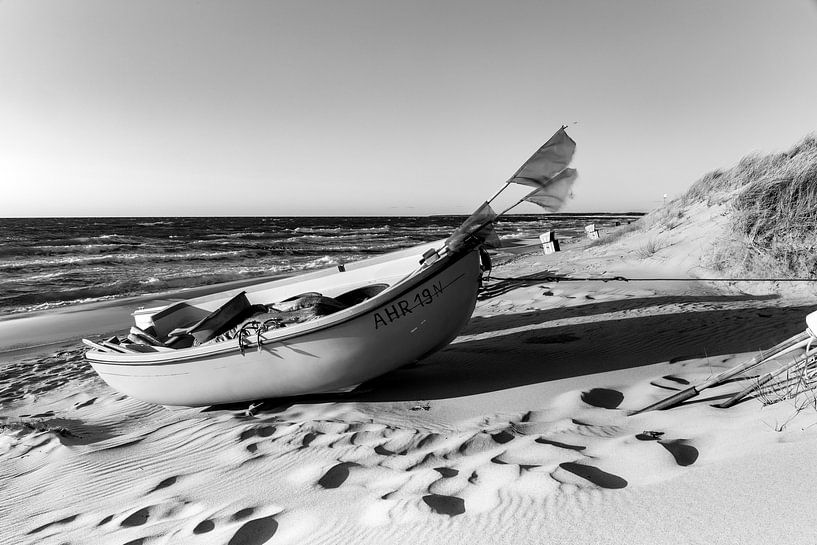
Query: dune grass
x,y
772,202
650,248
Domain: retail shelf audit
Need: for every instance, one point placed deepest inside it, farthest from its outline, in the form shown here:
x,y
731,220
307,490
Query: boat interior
x,y
240,313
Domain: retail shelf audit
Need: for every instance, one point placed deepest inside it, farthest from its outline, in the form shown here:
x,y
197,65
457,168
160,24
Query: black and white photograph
x,y
369,272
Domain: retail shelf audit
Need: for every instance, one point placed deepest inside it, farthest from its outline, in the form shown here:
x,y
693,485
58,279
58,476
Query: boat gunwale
x,y
320,274
394,292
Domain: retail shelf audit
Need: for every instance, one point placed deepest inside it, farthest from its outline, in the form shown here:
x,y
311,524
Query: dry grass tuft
x,y
650,248
34,426
773,207
796,387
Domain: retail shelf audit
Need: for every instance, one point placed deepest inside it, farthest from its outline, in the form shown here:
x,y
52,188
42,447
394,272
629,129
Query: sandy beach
x,y
370,155
520,431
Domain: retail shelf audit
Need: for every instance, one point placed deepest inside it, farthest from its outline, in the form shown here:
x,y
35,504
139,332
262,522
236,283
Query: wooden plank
x,y
115,347
221,319
144,337
96,346
177,314
792,343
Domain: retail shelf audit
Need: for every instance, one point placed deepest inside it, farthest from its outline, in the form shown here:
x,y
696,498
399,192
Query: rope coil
x,y
256,328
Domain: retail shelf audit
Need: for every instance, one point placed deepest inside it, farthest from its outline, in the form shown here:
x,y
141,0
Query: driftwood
x,y
793,343
763,380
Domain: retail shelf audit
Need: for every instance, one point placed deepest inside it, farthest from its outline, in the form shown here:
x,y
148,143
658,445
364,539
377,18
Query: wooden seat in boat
x,y
223,318
177,315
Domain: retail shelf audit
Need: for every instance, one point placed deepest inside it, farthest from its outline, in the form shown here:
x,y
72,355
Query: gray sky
x,y
384,107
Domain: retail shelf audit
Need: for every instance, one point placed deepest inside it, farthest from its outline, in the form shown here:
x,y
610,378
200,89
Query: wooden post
x,y
793,343
757,384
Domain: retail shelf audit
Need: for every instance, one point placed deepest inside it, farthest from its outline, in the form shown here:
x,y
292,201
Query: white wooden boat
x,y
414,310
388,311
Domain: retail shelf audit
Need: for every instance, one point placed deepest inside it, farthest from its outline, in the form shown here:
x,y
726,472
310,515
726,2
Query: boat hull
x,y
410,322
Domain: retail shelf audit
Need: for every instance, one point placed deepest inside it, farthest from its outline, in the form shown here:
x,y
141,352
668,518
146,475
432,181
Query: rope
x,y
625,279
259,328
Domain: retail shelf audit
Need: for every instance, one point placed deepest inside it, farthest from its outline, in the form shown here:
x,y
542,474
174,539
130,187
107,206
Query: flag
x,y
552,195
547,162
478,227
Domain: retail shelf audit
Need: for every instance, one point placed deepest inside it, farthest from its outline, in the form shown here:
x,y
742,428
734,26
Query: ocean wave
x,y
35,278
116,259
59,297
318,229
46,263
248,235
48,250
55,304
330,231
321,262
312,238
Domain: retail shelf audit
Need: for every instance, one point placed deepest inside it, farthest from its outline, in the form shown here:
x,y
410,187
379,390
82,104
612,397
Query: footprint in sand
x,y
502,437
246,434
204,526
684,453
383,451
445,505
594,475
60,522
265,431
241,514
260,431
446,472
85,403
137,518
686,357
170,481
255,532
603,398
337,475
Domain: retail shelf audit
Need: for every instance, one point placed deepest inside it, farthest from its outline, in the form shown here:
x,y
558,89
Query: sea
x,y
53,262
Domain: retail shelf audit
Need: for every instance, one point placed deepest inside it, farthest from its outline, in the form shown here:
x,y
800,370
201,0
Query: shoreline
x,y
522,427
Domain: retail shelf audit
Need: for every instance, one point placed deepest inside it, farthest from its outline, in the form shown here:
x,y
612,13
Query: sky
x,y
383,107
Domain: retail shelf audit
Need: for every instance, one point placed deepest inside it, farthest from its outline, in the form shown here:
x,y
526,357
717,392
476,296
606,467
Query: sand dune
x,y
521,431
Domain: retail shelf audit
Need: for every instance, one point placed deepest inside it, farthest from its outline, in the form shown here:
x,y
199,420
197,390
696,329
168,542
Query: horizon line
x,y
588,213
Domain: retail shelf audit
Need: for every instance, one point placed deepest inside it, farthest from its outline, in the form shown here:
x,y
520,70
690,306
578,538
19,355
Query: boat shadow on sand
x,y
543,352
